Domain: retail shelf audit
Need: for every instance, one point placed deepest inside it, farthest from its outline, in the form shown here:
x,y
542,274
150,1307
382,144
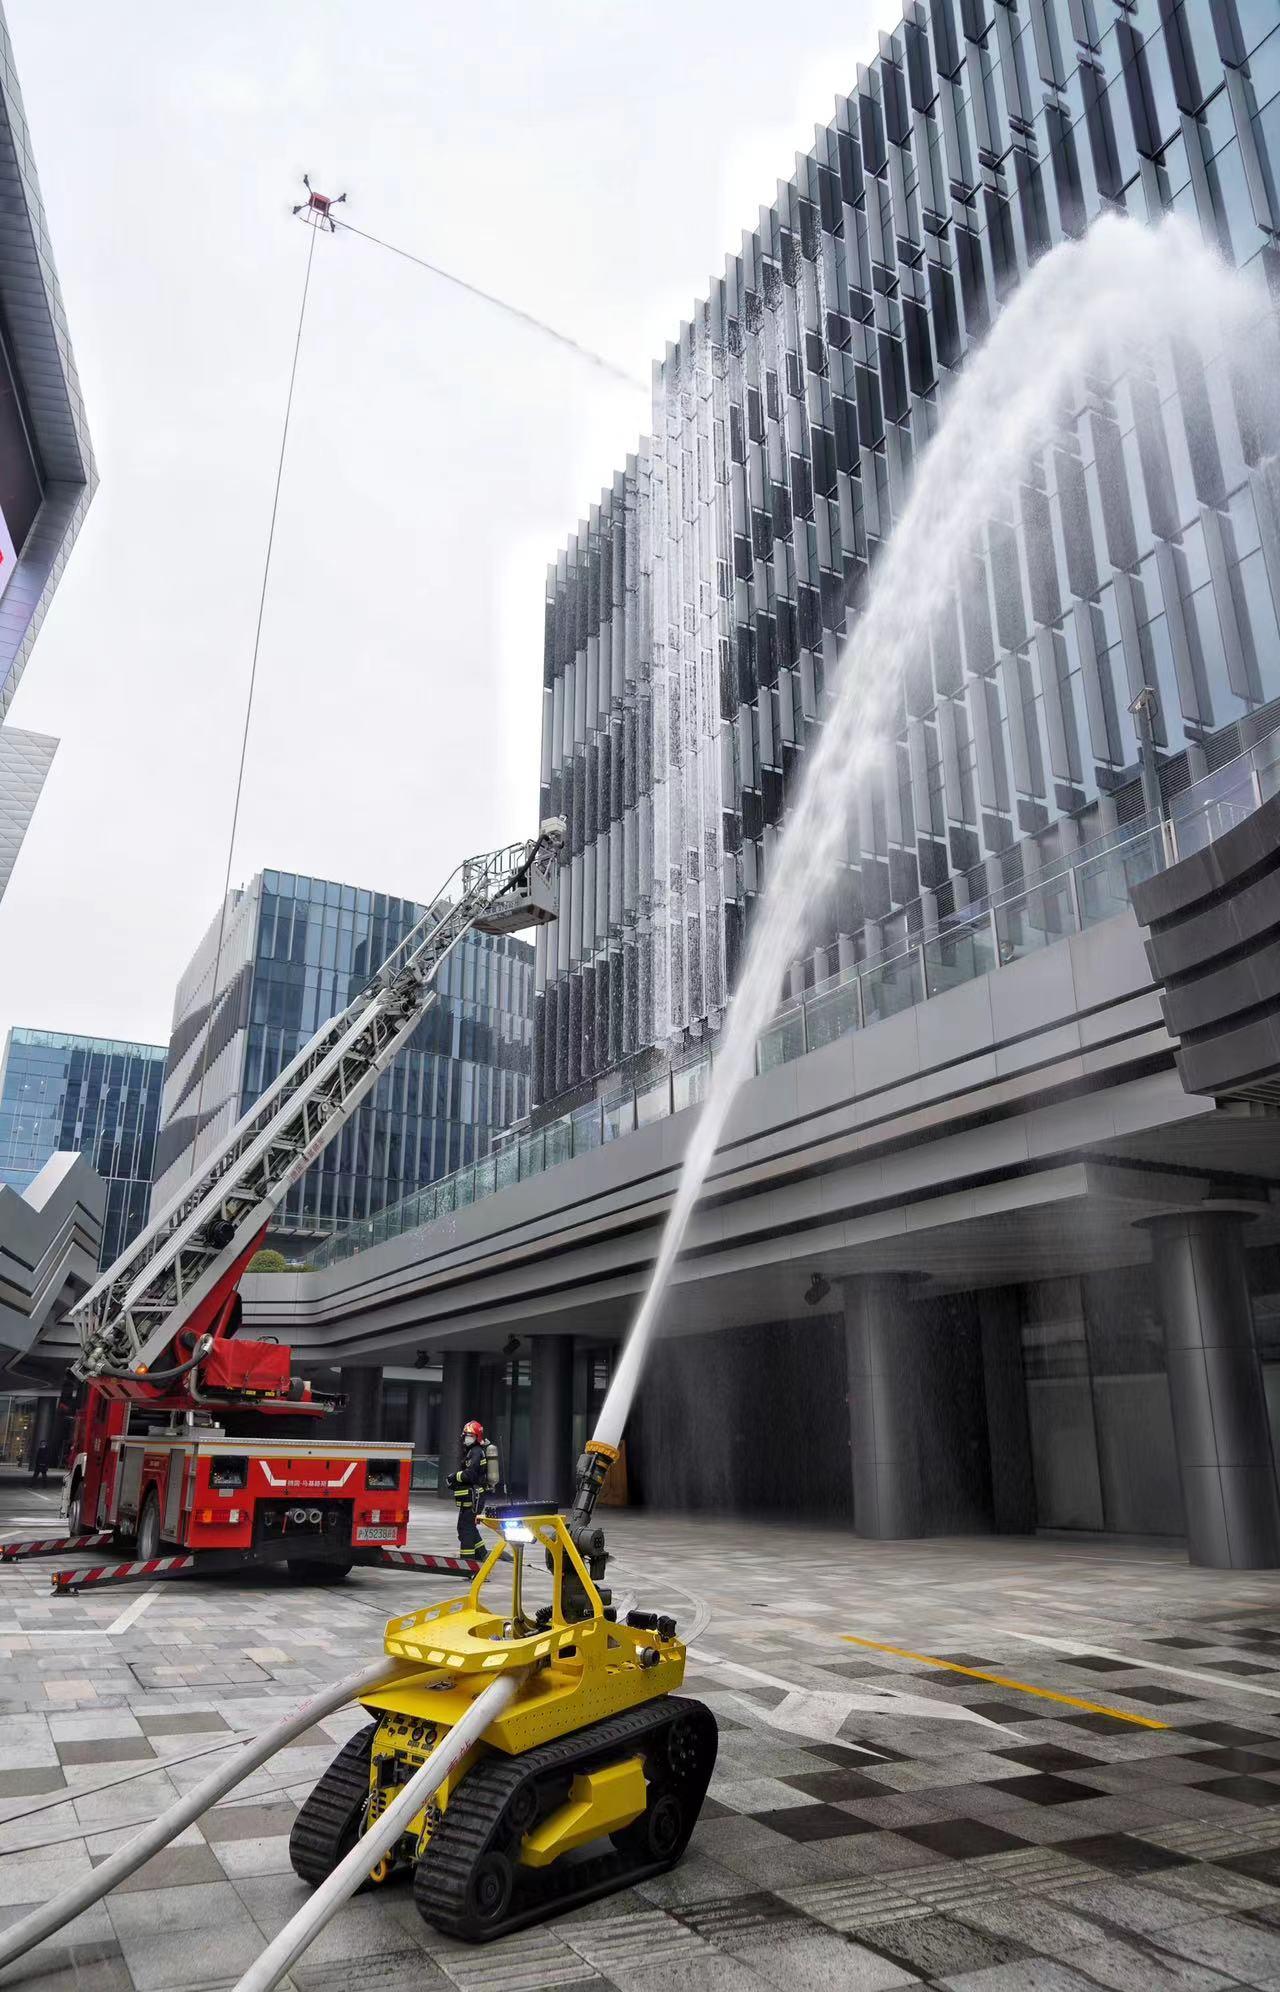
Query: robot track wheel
x,y
332,1818
469,1881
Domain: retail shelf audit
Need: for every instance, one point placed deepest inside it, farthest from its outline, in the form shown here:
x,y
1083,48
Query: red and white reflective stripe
x,y
416,1559
49,1545
114,1573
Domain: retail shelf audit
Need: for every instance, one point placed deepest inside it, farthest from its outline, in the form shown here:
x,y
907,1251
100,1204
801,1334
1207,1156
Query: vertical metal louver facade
x,y
694,616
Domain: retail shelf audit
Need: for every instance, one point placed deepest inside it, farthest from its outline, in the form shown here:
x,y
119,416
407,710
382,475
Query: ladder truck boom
x,y
187,1436
160,1302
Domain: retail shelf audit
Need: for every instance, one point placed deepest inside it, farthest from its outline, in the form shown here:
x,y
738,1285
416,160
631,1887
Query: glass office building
x,y
294,952
692,619
99,1097
47,471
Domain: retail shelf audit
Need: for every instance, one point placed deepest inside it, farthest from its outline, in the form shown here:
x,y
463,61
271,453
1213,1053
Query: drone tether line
x,y
253,679
317,210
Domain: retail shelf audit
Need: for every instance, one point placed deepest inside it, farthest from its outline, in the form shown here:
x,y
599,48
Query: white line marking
x,y
1152,1666
133,1612
121,1623
807,1712
49,1632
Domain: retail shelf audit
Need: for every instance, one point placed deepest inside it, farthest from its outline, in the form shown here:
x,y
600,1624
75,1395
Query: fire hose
x,y
51,1915
320,1907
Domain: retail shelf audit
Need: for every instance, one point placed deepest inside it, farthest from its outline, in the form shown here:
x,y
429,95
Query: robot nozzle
x,y
589,1477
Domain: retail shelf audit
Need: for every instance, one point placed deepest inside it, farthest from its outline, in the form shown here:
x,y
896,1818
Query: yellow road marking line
x,y
1004,1681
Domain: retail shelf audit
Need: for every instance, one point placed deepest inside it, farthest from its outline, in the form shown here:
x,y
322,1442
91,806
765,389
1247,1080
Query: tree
x,y
268,1262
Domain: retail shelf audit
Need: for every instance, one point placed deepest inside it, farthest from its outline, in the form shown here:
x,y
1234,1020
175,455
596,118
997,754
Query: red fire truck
x,y
194,1438
224,1458
318,1504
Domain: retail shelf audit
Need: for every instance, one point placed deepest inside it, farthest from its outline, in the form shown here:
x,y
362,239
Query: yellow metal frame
x,y
599,1802
580,1670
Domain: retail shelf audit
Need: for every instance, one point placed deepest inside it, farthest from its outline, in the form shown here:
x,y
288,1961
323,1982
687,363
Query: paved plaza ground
x,y
878,1818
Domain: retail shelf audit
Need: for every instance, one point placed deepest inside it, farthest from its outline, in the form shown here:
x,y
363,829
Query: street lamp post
x,y
1144,709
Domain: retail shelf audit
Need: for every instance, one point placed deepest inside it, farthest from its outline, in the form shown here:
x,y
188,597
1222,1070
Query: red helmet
x,y
473,1433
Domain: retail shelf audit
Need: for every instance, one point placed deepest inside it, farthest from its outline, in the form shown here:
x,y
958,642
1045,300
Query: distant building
x,y
47,471
294,952
97,1097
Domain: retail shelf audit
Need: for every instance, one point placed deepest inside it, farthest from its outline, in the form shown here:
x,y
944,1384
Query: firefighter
x,y
469,1485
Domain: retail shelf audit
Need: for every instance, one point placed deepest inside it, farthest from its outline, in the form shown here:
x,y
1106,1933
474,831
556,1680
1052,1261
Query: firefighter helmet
x,y
473,1433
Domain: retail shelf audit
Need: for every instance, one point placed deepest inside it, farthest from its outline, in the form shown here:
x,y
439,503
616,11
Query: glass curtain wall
x,y
296,951
96,1096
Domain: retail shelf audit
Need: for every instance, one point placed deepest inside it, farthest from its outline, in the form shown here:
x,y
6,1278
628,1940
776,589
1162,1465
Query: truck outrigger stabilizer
x,y
232,1562
17,1552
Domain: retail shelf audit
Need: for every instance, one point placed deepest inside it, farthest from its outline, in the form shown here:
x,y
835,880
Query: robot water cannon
x,y
585,1533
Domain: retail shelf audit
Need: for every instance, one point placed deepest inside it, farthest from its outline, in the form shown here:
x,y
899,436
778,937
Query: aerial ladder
x,y
158,1332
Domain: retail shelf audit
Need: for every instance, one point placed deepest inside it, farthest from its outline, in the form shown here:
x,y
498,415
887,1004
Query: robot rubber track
x,y
469,1881
677,1738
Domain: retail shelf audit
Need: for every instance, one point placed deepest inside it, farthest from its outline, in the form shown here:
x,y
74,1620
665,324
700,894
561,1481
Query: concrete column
x,y
42,1430
888,1494
362,1418
1013,1487
1220,1423
460,1378
917,1419
420,1413
551,1419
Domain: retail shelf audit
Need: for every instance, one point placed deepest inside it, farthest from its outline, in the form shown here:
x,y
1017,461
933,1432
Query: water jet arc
x,y
1124,287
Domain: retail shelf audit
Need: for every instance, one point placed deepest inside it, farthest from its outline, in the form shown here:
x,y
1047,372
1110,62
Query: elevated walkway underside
x,y
50,1237
1017,1127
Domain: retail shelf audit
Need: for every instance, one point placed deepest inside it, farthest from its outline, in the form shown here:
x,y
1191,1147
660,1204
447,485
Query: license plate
x,y
368,1534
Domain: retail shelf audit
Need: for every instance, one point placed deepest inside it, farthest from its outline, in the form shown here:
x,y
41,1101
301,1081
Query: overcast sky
x,y
594,163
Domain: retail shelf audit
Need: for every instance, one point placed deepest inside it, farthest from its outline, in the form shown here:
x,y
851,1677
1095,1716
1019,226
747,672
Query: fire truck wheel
x,y
148,1540
75,1505
308,1570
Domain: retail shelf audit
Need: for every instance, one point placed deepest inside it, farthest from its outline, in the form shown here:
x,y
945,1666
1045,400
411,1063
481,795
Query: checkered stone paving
x,y
998,1766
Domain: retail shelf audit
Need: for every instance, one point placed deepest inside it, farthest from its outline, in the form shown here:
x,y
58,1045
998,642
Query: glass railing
x,y
1223,799
1088,886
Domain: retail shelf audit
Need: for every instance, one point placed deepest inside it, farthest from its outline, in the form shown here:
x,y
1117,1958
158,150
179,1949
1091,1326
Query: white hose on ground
x,y
285,1949
60,1909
